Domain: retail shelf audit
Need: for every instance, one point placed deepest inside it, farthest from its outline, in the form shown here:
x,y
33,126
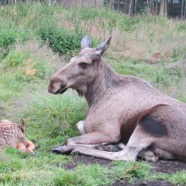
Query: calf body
x,y
13,135
123,109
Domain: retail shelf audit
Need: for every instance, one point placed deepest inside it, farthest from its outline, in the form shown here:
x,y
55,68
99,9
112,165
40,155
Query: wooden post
x,y
131,4
135,6
152,7
183,9
163,7
156,8
148,6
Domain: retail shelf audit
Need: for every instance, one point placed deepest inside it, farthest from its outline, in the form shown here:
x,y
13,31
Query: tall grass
x,y
53,118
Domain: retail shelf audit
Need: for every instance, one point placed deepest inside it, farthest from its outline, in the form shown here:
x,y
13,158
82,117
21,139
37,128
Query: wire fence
x,y
169,8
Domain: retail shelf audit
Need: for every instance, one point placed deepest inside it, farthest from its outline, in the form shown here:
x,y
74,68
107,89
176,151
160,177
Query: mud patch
x,y
87,160
150,183
159,167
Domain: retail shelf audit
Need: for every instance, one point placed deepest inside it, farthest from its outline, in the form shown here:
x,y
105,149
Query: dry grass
x,y
41,51
152,42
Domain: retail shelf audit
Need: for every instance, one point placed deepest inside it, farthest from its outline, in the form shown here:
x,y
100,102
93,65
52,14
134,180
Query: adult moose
x,y
123,109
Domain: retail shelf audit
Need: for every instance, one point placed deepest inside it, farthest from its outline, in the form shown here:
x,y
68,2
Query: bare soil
x,y
160,167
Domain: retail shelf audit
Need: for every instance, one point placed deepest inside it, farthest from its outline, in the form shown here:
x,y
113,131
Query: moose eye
x,y
83,65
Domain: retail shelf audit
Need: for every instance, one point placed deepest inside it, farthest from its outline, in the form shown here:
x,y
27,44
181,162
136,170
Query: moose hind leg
x,y
137,142
127,154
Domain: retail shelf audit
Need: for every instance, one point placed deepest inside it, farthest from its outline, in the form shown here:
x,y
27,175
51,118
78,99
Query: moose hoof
x,y
32,153
62,150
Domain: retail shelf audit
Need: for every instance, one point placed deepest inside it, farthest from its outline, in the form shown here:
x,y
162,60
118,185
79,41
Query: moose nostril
x,y
49,89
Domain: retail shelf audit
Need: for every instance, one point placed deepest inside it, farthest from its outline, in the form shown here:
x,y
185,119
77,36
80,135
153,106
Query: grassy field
x,y
35,40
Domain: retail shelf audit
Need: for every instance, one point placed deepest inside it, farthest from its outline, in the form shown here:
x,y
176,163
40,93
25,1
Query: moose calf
x,y
13,135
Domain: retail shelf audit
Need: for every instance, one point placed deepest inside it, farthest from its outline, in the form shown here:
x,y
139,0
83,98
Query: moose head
x,y
81,70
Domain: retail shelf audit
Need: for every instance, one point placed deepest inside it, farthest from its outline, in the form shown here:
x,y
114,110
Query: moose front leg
x,y
90,140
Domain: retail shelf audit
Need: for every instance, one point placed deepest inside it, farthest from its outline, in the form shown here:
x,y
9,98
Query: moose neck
x,y
106,80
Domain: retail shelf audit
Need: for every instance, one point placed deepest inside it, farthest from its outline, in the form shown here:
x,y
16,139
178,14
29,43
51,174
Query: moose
x,y
121,109
13,135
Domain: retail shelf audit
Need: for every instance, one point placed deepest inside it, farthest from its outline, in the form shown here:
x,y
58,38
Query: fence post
x,y
163,7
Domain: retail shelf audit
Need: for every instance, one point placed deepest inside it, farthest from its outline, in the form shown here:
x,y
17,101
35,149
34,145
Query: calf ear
x,y
21,125
103,46
85,42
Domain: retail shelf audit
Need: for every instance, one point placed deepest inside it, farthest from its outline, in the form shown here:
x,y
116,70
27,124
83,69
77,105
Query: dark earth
x,y
160,166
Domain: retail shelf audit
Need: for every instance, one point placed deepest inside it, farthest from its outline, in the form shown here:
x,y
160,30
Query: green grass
x,y
178,178
50,120
48,169
53,118
18,69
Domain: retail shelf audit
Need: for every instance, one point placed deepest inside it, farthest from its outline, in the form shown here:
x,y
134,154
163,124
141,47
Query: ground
x,y
160,166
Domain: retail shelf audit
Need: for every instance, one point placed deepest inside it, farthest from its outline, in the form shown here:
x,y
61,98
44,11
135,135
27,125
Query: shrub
x,y
61,40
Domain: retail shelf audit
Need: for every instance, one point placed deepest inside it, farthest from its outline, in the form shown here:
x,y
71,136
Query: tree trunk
x,y
163,7
131,4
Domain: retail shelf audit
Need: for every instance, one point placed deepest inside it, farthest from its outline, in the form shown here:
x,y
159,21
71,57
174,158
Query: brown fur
x,y
121,108
13,135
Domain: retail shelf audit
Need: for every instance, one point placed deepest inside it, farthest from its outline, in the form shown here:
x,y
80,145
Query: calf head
x,y
81,70
21,132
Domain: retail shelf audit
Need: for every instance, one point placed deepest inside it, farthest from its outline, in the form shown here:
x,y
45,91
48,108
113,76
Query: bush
x,y
8,36
61,40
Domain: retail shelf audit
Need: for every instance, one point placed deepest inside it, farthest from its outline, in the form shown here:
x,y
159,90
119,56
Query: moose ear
x,y
85,42
21,125
103,46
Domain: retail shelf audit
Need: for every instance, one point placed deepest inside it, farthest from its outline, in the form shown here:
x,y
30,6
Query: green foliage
x,y
18,169
183,99
178,178
132,171
95,174
25,67
68,178
6,166
11,28
181,27
8,36
54,118
61,40
18,69
25,21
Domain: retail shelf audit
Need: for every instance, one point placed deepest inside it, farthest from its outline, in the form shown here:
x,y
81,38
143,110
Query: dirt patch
x,y
150,183
161,166
169,166
87,160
